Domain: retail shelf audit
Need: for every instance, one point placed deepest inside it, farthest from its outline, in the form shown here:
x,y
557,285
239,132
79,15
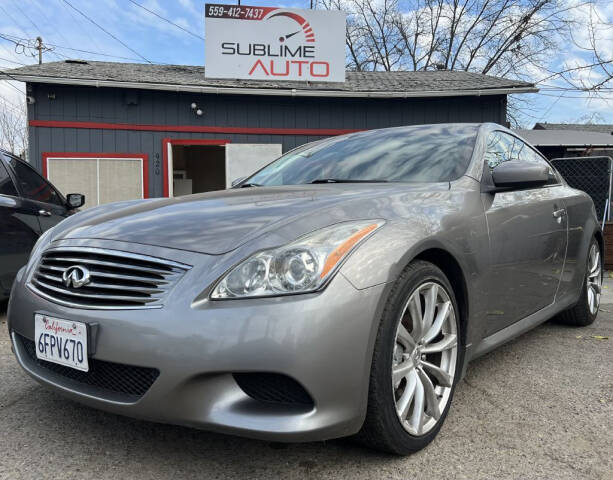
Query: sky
x,y
140,36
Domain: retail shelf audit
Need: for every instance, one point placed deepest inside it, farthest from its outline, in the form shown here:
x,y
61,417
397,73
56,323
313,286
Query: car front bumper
x,y
322,341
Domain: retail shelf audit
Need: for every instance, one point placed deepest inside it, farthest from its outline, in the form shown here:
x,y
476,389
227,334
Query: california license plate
x,y
61,341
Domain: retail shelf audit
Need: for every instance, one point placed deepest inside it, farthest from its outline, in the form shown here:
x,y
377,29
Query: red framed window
x,y
101,177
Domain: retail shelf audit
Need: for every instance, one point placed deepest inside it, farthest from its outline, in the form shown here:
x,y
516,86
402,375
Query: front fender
x,y
383,257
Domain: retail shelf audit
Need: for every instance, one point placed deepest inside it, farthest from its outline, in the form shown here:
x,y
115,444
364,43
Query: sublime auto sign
x,y
270,43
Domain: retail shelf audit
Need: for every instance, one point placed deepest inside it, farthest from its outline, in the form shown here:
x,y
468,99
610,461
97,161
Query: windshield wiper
x,y
245,185
344,180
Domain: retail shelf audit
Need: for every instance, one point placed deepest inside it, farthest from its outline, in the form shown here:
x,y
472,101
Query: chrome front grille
x,y
115,279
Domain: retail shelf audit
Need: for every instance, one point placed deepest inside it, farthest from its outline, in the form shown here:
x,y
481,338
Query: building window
x,y
102,178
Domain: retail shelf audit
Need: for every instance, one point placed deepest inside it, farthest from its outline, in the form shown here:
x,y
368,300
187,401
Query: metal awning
x,y
566,138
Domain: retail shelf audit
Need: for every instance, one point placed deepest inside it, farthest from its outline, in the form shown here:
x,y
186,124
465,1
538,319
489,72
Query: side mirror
x,y
75,200
236,181
516,175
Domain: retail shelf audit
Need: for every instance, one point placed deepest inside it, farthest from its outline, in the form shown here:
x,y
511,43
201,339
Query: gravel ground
x,y
540,407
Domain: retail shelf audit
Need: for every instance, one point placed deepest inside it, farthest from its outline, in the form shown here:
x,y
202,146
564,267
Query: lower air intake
x,y
133,382
273,388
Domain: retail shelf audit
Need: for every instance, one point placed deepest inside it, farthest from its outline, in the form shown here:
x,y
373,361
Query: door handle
x,y
558,214
7,202
44,213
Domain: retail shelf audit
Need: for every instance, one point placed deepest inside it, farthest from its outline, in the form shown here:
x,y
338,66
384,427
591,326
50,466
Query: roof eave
x,y
286,92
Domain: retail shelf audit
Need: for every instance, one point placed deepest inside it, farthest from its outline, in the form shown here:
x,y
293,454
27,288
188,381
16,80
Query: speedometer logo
x,y
305,27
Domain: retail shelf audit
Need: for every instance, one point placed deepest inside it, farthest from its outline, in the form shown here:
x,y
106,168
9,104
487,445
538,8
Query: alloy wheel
x,y
594,279
425,357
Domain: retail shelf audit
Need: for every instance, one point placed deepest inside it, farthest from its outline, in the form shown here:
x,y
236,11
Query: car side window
x,y
502,147
33,186
6,184
499,149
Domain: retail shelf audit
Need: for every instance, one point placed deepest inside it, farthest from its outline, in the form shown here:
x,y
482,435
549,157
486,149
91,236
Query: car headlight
x,y
302,266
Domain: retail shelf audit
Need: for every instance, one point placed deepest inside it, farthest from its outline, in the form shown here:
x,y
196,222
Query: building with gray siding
x,y
117,130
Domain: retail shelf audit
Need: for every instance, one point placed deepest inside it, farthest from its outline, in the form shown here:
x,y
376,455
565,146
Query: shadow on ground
x,y
538,407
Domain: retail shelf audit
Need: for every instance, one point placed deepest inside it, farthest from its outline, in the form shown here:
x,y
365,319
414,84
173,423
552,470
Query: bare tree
x,y
13,129
596,74
503,37
519,39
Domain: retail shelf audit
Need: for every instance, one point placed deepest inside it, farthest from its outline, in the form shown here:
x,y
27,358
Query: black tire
x,y
382,429
579,315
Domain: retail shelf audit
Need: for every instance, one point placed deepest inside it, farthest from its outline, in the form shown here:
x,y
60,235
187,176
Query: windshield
x,y
426,153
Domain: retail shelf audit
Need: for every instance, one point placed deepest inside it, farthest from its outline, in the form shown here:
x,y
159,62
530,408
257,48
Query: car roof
x,y
432,126
9,154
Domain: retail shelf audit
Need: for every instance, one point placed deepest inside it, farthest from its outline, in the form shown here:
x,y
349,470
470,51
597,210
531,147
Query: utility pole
x,y
39,47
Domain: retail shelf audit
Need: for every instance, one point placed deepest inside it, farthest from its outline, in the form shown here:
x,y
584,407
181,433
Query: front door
x,y
19,230
528,236
39,195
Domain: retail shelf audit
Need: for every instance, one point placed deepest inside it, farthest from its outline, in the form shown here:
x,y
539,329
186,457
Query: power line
x,y
576,89
545,86
167,21
13,20
105,31
12,78
6,49
94,53
553,104
19,26
594,97
12,61
10,105
76,20
36,27
6,100
24,46
41,11
59,54
14,39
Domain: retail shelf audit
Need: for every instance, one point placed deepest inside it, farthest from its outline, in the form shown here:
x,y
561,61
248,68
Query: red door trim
x,y
143,156
192,128
180,141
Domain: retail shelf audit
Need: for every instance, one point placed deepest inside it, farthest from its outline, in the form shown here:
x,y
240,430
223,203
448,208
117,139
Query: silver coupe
x,y
342,290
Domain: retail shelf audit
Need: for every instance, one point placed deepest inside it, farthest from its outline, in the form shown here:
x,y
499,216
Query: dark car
x,y
29,205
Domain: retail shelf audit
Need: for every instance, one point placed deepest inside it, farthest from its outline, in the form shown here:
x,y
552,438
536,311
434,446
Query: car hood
x,y
218,222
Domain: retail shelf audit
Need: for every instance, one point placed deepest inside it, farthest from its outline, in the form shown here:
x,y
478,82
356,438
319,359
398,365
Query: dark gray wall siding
x,y
110,105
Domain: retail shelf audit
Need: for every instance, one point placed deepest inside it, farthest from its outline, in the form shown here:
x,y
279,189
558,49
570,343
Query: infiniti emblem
x,y
76,275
